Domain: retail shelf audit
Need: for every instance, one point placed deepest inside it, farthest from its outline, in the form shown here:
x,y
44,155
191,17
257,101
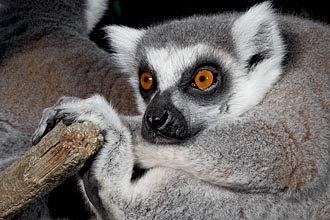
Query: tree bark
x,y
60,154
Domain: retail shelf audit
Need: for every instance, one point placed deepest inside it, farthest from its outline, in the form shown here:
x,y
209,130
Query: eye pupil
x,y
202,78
146,79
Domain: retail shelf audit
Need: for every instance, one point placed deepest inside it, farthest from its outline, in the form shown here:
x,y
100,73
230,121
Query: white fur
x,y
171,61
120,182
94,12
251,88
124,41
197,164
95,109
141,105
246,28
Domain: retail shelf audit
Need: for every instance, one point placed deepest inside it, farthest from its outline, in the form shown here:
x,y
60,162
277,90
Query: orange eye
x,y
146,80
204,79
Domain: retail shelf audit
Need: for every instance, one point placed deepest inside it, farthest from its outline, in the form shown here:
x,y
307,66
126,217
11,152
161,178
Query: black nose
x,y
163,122
158,121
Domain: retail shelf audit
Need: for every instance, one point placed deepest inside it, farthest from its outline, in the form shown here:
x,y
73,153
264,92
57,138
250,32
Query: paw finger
x,y
47,123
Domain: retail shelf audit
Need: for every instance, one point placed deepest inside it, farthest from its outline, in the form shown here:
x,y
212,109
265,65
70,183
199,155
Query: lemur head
x,y
194,71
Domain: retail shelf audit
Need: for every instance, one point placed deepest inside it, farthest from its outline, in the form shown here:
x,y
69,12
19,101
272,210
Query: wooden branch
x,y
59,155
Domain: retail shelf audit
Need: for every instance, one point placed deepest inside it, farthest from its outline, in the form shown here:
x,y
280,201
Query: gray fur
x,y
192,30
45,53
11,137
270,161
40,17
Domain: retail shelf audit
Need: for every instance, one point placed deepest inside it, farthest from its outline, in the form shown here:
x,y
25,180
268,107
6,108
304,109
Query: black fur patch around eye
x,y
147,94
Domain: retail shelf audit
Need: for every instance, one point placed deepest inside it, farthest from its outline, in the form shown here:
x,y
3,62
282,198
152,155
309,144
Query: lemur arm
x,y
279,160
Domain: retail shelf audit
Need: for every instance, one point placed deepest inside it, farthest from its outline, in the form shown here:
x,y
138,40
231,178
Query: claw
x,y
70,109
51,116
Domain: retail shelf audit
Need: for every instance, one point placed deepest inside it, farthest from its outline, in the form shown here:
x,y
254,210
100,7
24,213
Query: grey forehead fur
x,y
210,30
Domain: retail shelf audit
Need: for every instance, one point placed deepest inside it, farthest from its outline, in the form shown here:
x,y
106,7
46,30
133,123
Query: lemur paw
x,y
71,109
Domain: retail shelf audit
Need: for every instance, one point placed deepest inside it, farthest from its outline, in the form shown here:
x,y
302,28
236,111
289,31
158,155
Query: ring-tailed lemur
x,y
235,123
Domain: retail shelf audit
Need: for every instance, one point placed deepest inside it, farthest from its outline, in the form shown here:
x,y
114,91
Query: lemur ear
x,y
94,11
256,35
123,41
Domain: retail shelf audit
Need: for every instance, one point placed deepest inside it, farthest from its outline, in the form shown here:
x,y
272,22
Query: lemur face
x,y
189,73
184,88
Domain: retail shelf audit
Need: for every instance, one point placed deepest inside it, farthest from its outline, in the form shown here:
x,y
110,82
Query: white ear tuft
x,y
94,11
260,50
123,41
256,35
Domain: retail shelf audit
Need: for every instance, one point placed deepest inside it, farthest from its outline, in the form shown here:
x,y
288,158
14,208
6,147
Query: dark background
x,y
141,13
